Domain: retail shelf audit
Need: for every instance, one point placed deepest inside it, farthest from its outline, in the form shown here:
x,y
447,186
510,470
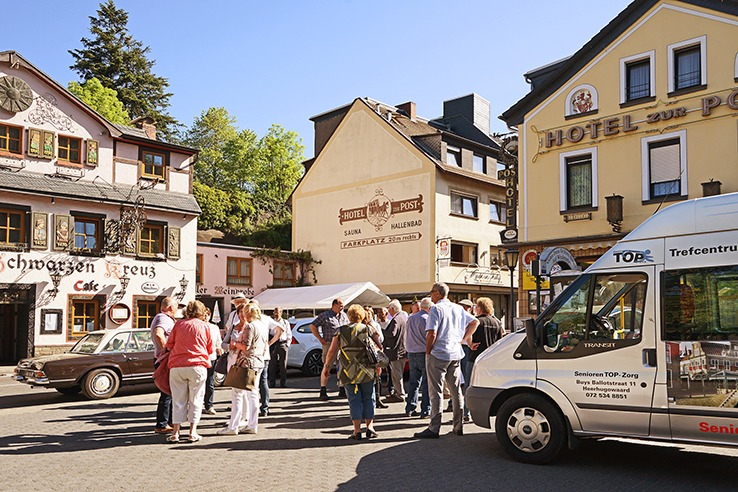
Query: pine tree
x,y
120,63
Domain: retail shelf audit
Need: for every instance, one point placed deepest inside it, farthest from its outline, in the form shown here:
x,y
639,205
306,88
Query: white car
x,y
305,352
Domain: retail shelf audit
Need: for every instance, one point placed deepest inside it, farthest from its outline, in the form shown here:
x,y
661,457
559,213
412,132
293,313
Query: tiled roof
x,y
129,130
97,190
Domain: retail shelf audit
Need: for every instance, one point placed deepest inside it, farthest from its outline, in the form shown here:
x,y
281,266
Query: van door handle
x,y
649,357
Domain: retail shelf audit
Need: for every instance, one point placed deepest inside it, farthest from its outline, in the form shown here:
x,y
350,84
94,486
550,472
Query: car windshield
x,y
88,344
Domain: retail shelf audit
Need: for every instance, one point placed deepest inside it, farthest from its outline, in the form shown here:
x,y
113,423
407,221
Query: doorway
x,y
16,323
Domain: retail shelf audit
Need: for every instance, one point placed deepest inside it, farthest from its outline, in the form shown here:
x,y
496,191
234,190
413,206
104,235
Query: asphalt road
x,y
49,442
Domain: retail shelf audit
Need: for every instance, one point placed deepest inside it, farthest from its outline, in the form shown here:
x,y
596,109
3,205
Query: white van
x,y
643,344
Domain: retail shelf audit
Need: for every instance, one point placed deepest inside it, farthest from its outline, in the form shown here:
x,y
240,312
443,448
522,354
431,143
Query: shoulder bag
x,y
374,354
221,364
240,377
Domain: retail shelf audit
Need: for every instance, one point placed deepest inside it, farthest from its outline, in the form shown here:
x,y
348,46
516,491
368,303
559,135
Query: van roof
x,y
710,214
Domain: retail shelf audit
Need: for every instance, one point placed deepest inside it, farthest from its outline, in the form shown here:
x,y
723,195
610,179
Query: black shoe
x,y
414,413
323,395
426,434
467,418
459,431
450,407
263,413
341,391
272,384
381,405
355,437
370,434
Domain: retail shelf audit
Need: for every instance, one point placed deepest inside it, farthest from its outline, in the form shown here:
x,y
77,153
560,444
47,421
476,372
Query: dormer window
x,y
453,156
153,164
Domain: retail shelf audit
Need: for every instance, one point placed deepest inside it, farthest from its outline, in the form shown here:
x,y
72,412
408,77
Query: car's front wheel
x,y
100,384
530,428
313,363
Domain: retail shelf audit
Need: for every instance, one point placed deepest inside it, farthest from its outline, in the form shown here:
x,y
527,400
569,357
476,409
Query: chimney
x,y
147,124
409,109
473,107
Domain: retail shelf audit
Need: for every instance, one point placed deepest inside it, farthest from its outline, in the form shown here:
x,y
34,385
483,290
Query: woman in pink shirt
x,y
189,346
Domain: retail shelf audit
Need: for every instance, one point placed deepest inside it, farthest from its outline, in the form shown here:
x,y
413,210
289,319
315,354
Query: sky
x,y
284,61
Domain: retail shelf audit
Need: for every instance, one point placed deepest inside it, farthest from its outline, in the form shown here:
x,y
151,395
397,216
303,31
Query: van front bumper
x,y
479,400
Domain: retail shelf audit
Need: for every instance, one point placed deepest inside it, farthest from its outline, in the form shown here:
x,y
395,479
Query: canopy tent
x,y
321,296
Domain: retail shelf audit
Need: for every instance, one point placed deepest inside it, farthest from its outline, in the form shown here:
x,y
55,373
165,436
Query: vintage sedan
x,y
97,365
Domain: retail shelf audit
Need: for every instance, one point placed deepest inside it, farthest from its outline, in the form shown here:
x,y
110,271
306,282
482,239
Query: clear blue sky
x,y
273,61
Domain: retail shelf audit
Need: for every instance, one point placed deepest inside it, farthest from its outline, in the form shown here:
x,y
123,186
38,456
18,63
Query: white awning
x,y
321,296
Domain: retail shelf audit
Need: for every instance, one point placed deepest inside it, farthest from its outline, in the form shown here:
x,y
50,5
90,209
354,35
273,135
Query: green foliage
x,y
304,259
102,99
226,211
121,63
239,164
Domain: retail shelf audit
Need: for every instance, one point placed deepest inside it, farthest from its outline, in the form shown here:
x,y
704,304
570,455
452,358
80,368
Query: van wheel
x,y
530,428
100,384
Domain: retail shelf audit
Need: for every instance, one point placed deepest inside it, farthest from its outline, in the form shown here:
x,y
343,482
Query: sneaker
x,y
248,430
426,434
228,432
210,411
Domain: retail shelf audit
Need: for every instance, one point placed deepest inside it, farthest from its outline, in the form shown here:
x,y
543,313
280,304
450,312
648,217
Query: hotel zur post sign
x,y
377,212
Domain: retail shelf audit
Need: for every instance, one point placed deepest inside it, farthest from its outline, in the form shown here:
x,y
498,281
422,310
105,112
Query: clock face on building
x,y
15,94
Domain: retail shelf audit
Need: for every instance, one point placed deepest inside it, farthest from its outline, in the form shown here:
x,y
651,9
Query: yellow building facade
x,y
646,111
404,202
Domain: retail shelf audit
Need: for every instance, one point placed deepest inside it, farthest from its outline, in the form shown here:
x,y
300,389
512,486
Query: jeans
x,y
163,409
264,391
361,400
418,384
278,361
210,386
466,367
440,371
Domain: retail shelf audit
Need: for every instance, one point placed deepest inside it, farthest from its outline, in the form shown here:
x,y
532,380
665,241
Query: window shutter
x,y
665,165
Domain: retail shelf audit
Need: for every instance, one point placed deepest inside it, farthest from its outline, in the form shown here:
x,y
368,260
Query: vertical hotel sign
x,y
510,176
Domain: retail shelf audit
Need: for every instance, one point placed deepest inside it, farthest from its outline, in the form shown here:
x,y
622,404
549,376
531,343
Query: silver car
x,y
305,352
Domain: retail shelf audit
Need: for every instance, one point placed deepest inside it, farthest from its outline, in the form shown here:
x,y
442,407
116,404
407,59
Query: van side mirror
x,y
530,332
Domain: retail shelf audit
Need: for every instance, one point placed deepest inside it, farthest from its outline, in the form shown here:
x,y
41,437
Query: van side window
x,y
701,304
603,307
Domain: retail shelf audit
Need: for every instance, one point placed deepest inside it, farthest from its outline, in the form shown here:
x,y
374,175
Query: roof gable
x,y
572,65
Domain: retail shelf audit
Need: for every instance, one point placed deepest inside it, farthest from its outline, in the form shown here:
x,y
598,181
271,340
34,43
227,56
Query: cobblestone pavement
x,y
49,442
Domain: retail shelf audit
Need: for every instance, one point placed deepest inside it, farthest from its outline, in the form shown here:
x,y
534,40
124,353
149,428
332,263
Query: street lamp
x,y
511,257
183,283
56,277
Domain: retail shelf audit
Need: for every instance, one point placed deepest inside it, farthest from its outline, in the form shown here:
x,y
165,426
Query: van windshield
x,y
596,307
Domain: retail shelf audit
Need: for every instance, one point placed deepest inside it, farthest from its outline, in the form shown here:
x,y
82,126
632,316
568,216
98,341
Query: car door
x,y
140,356
599,350
113,352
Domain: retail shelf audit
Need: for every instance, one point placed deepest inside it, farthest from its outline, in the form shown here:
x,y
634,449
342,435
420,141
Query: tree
x,y
120,63
102,99
235,166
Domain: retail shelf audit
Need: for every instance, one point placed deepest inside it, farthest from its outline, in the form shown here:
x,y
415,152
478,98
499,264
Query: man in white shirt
x,y
210,381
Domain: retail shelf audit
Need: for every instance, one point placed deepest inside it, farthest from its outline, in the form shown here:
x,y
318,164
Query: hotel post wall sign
x,y
374,216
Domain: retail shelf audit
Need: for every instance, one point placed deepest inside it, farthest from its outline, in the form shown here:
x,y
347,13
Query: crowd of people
x,y
439,341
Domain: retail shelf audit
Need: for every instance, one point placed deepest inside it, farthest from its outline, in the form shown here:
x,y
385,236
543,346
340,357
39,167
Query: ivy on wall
x,y
304,260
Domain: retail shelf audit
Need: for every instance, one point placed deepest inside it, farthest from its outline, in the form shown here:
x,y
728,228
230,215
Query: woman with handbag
x,y
189,346
249,348
356,371
375,330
